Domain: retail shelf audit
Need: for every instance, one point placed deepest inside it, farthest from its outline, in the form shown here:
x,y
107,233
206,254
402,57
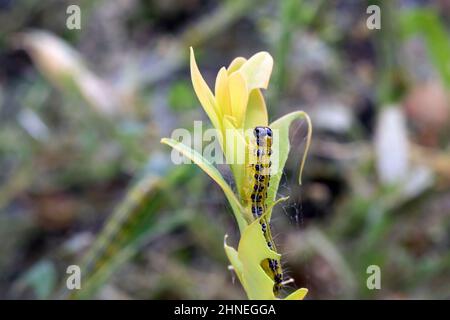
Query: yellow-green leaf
x,y
270,207
281,147
246,262
210,170
222,93
238,97
257,70
233,257
252,251
256,114
299,294
203,92
236,64
236,147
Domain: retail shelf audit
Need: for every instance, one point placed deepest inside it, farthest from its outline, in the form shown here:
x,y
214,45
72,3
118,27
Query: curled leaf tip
x,y
308,144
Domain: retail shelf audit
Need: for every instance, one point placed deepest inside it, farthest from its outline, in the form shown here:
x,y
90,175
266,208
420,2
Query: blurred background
x,y
84,179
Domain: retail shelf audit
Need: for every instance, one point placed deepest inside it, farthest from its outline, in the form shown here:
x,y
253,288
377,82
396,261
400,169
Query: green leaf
x,y
210,170
426,23
282,146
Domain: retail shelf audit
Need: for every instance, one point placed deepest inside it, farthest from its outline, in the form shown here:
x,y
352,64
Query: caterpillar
x,y
261,152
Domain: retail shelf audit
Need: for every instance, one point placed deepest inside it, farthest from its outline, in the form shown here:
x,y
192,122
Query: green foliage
x,y
181,97
426,23
41,278
138,220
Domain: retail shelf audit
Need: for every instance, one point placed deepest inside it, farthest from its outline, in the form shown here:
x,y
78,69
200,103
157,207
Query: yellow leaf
x,y
235,152
252,251
257,70
246,261
299,294
203,92
236,64
238,97
222,93
210,170
233,257
256,114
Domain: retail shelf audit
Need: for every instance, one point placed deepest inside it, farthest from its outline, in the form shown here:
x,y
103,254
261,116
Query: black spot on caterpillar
x,y
262,149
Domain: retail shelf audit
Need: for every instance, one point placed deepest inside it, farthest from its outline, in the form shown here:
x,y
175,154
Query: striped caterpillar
x,y
261,152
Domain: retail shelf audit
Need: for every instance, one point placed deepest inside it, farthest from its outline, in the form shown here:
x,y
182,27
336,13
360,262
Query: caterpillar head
x,y
260,132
